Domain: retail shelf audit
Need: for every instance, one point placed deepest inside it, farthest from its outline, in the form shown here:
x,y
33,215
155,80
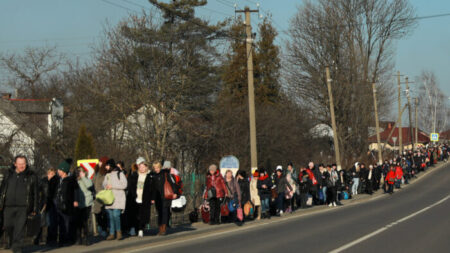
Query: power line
x,y
219,12
45,40
118,5
225,3
135,4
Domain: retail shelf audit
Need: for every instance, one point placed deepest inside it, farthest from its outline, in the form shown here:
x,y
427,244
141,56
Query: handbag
x,y
33,224
232,205
168,190
204,209
224,211
211,193
274,193
179,204
240,214
106,197
248,208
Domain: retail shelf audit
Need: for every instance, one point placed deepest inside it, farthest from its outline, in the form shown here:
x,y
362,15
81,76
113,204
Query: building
x,y
24,123
393,142
444,136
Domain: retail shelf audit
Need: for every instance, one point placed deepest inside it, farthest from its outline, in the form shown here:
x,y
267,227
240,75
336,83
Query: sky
x,y
75,26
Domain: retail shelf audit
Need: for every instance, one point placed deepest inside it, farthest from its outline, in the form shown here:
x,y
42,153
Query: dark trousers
x,y
15,219
64,230
52,226
303,199
163,210
214,210
137,219
102,219
332,194
82,218
280,201
369,187
315,194
390,188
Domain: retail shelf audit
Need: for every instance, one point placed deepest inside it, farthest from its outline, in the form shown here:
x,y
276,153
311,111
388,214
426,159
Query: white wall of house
x,y
21,143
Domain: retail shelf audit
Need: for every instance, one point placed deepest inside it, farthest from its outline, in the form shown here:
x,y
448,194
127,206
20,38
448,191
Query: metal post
x,y
333,120
377,124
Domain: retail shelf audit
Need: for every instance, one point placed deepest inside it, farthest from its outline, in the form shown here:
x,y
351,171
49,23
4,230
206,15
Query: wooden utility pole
x,y
377,124
416,133
333,120
251,88
409,110
400,140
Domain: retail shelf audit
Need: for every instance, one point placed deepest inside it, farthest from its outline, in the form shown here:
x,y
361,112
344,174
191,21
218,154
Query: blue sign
x,y
434,137
229,162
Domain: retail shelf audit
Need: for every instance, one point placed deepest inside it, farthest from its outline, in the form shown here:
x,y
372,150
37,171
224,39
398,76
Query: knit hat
x,y
280,168
167,165
111,163
140,160
64,166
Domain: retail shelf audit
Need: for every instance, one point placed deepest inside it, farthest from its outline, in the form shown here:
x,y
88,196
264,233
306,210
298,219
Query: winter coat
x,y
66,195
217,182
305,183
131,205
119,183
21,191
52,187
264,192
254,196
317,175
282,184
244,186
158,180
398,172
311,176
98,186
234,191
85,196
390,177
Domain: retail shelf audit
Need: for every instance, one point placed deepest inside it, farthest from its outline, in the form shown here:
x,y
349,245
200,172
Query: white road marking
x,y
361,239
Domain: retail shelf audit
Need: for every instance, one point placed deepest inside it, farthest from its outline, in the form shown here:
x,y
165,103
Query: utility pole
x,y
409,110
333,120
400,128
416,133
251,88
377,125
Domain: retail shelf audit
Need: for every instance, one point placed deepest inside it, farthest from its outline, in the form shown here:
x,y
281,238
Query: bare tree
x,y
433,105
354,38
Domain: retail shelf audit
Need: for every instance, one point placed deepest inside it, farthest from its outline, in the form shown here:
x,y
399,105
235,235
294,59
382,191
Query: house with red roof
x,y
393,142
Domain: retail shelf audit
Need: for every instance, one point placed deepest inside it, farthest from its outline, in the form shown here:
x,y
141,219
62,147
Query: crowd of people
x,y
117,201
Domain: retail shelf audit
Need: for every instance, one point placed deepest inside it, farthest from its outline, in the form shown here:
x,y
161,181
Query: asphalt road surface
x,y
415,219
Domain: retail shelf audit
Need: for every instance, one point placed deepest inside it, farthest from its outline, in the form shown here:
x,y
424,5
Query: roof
x,y
41,106
406,136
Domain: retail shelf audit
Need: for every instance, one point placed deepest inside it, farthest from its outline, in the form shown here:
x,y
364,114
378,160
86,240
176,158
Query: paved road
x,y
415,219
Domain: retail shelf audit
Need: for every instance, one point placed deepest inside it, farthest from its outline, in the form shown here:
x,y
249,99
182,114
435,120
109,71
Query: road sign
x,y
88,166
434,137
229,163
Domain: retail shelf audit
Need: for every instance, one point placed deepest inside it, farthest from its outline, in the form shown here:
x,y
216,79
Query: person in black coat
x,y
304,185
264,186
18,199
139,196
65,202
244,186
162,204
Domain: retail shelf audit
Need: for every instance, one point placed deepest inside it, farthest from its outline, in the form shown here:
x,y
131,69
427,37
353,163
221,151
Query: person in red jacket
x,y
215,192
390,179
398,175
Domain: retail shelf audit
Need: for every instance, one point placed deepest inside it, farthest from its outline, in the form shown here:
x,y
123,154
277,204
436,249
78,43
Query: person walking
x,y
139,198
244,186
115,181
51,212
215,192
18,200
66,201
162,204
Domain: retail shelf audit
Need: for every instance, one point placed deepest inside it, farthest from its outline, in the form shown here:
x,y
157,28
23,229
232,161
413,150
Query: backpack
x,y
178,182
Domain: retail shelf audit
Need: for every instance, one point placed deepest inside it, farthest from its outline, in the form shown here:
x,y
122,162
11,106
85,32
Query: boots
x,y
110,237
162,230
119,235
